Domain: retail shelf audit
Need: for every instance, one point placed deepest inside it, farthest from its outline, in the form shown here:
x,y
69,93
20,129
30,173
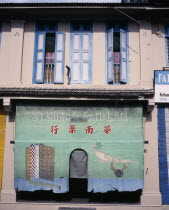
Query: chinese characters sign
x,y
72,129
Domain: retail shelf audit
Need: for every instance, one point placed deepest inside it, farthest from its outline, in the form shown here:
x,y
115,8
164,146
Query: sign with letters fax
x,y
46,136
161,79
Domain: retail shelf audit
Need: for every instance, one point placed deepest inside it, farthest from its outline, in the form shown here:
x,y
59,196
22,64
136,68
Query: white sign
x,y
161,79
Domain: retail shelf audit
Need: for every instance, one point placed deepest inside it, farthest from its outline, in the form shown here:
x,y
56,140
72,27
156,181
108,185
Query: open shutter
x,y
123,60
75,68
110,76
59,57
86,58
40,55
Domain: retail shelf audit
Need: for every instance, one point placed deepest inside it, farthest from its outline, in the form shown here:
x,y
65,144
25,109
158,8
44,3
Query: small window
x,y
116,54
49,54
51,26
87,27
76,27
41,26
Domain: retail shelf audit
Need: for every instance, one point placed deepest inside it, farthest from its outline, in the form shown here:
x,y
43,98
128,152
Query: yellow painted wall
x,y
2,141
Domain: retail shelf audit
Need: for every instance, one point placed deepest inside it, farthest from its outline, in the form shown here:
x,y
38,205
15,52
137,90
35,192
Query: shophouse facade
x,y
77,99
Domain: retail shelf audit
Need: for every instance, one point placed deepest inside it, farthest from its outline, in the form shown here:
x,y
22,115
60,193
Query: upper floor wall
x,y
114,55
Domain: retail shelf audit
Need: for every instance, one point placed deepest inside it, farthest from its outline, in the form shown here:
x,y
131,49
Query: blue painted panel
x,y
105,185
162,149
61,185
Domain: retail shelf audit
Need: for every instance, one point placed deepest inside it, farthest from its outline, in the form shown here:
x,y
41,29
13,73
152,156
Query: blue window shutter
x,y
76,55
110,61
86,58
59,57
40,57
123,53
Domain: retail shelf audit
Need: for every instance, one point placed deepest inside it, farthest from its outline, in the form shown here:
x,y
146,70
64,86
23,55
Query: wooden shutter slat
x,y
59,57
40,57
123,60
110,76
75,71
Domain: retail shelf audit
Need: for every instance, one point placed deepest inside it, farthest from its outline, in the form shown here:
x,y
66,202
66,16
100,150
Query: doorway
x,y
78,173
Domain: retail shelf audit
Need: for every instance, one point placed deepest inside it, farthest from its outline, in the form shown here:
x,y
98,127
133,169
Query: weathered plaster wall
x,y
17,54
28,53
158,47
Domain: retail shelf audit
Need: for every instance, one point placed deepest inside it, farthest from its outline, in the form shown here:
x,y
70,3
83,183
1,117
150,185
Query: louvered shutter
x,y
75,69
40,56
123,60
110,76
59,57
86,58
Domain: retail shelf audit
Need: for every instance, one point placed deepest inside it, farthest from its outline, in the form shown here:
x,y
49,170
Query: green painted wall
x,y
125,141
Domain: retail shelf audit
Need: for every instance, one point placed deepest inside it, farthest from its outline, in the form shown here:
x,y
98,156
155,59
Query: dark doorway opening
x,y
78,174
109,197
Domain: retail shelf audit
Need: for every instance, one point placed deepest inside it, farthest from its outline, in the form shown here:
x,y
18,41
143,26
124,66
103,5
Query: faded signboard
x,y
112,138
